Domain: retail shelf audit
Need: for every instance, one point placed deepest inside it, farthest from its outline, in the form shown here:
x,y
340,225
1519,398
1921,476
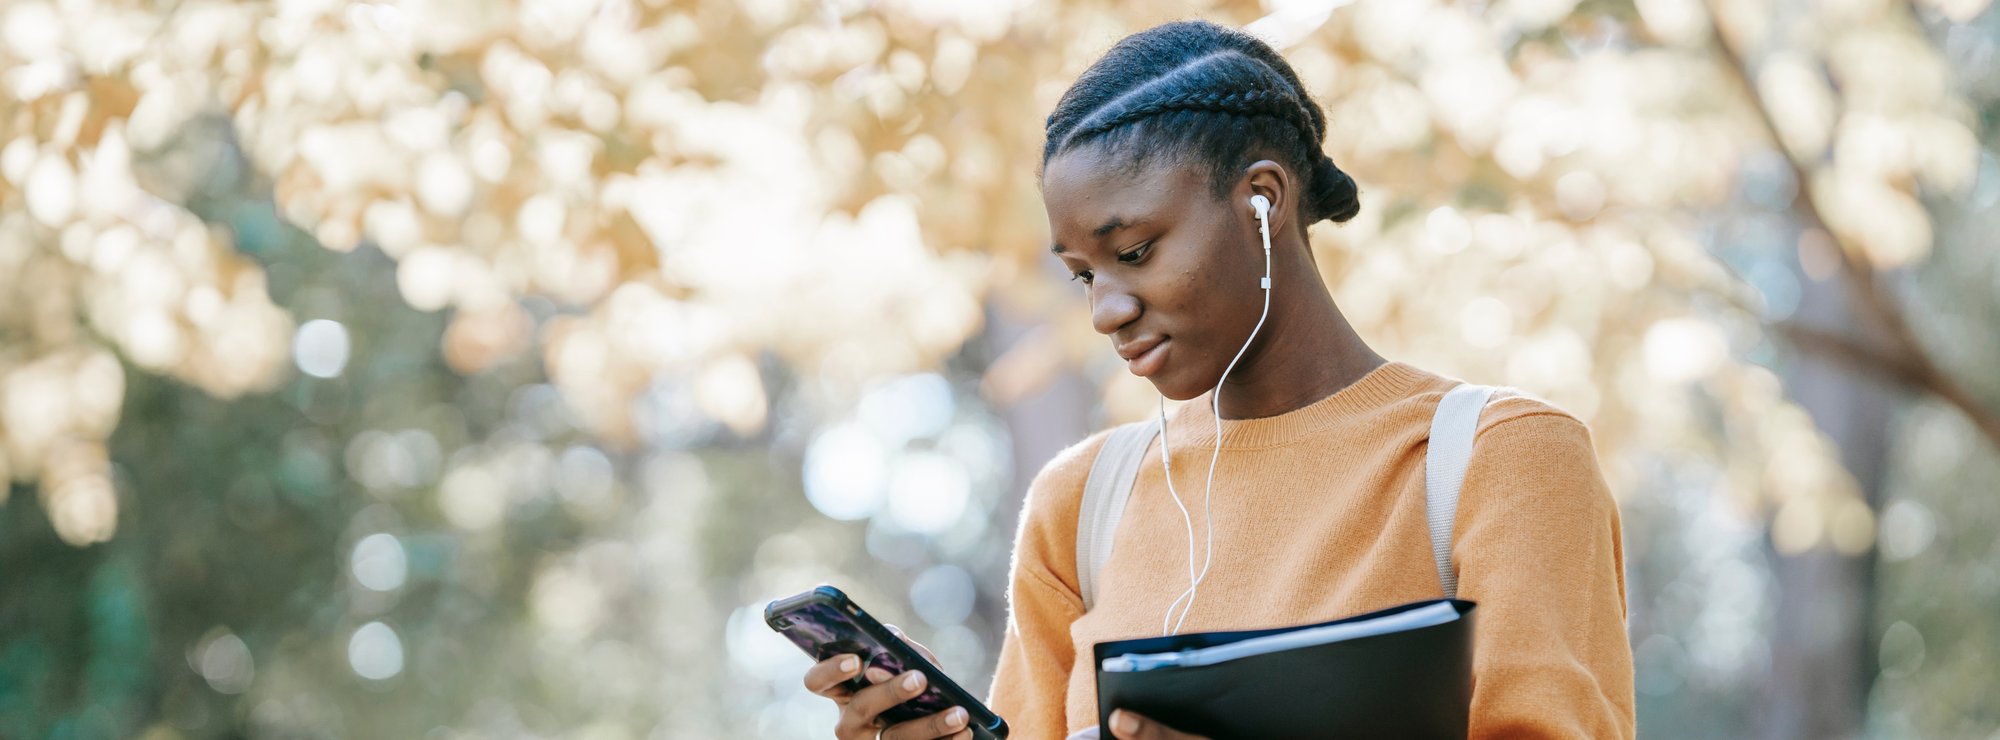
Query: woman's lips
x,y
1150,362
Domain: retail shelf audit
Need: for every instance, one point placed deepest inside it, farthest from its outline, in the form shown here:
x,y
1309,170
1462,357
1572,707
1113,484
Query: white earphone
x,y
1262,206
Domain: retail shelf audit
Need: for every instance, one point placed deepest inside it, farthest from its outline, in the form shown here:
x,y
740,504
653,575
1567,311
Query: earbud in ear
x,y
1262,204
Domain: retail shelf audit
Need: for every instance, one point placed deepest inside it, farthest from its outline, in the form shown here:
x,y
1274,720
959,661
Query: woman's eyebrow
x,y
1115,223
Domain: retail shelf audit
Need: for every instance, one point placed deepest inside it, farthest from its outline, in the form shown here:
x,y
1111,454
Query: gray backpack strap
x,y
1104,495
1450,451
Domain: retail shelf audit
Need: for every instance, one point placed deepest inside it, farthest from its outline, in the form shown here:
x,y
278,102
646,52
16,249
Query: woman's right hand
x,y
860,710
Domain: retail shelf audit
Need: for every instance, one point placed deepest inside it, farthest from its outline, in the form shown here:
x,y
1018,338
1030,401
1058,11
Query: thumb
x,y
1127,725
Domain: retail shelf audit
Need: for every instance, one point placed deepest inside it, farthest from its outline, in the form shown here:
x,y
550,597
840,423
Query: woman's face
x,y
1172,272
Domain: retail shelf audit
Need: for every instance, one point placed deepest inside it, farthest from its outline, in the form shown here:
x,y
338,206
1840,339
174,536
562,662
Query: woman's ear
x,y
1269,179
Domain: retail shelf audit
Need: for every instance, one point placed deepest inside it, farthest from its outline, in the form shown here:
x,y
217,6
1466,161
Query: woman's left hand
x,y
1127,725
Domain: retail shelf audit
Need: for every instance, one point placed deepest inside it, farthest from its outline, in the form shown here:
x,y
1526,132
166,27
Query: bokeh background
x,y
469,368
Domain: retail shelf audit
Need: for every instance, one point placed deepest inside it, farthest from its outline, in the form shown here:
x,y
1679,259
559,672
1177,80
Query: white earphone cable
x,y
1166,452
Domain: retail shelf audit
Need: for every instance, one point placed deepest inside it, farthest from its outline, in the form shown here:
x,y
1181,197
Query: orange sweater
x,y
1319,514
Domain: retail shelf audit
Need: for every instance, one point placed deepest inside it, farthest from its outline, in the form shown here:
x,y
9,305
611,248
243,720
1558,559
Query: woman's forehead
x,y
1085,188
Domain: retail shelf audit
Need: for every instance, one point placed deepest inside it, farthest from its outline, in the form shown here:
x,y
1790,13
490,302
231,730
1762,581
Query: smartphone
x,y
824,622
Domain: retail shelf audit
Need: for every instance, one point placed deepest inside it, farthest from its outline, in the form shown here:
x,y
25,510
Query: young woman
x,y
1314,508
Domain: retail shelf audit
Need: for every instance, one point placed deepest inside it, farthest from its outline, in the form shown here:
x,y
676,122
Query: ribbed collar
x,y
1194,422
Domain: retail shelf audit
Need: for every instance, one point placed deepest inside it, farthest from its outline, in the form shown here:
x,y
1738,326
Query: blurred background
x,y
468,368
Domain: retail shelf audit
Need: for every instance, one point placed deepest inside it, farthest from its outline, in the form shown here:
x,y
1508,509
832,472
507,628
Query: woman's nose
x,y
1111,309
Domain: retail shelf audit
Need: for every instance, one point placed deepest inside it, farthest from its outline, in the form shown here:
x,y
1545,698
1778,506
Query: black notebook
x,y
1402,672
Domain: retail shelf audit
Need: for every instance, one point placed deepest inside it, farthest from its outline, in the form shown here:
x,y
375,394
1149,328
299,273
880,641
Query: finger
x,y
1131,726
826,676
947,723
874,700
913,643
860,714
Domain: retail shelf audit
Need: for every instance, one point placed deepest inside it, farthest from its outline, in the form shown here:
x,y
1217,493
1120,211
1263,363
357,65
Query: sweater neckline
x,y
1194,422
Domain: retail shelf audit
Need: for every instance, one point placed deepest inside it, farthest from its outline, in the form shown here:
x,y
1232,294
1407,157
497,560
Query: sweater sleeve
x,y
1031,681
1538,547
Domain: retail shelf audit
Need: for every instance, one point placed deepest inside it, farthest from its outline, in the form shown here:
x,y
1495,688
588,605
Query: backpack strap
x,y
1104,495
1449,453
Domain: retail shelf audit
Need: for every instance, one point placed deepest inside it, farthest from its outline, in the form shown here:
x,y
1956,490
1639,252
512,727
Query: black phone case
x,y
1410,684
823,622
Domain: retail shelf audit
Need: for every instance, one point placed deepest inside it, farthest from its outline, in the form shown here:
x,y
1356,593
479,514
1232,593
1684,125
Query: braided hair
x,y
1202,93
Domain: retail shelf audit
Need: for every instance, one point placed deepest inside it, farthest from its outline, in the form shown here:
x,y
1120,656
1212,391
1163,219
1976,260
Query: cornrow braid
x,y
1279,104
1199,92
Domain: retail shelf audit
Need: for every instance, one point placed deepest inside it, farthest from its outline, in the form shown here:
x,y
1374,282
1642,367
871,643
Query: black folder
x,y
1407,683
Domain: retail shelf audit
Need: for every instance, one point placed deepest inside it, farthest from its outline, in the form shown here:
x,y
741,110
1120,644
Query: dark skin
x,y
1163,257
1182,264
859,710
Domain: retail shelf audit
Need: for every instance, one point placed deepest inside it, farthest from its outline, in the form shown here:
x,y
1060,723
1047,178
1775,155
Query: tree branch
x,y
1904,360
1844,349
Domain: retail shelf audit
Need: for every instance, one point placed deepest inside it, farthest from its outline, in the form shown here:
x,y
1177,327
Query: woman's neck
x,y
1309,354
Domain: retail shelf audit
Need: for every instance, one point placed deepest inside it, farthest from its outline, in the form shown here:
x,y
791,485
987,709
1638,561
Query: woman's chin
x,y
1180,391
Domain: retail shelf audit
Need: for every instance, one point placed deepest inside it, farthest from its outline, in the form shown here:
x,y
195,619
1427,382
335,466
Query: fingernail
x,y
956,719
849,663
910,681
1124,722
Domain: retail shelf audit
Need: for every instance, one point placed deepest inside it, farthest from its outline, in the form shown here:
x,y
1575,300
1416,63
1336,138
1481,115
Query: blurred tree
x,y
1858,341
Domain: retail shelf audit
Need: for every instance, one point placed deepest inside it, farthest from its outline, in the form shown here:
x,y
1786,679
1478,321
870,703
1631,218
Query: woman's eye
x,y
1136,254
1084,276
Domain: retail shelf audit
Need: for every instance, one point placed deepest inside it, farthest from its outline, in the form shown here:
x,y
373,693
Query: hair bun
x,y
1333,195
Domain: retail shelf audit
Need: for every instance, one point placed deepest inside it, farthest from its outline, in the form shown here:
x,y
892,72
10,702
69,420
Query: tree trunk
x,y
1039,424
1822,643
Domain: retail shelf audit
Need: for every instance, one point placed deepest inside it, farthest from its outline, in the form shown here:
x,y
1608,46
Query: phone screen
x,y
823,631
824,622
